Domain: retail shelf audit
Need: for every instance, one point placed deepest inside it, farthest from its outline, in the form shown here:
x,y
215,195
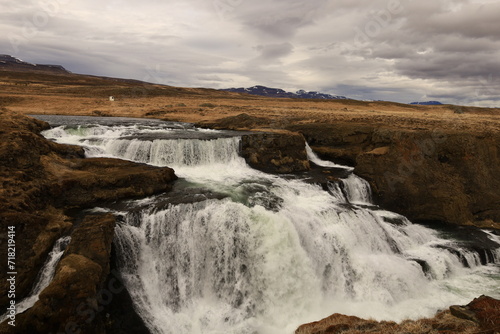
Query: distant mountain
x,y
428,103
9,63
277,92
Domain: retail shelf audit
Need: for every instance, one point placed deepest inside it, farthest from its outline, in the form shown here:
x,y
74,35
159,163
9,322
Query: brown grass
x,y
82,95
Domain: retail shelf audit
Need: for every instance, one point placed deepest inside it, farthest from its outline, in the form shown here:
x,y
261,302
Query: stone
x,y
480,316
275,152
463,313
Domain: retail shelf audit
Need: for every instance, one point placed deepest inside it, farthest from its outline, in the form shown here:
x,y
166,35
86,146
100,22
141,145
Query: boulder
x,y
275,152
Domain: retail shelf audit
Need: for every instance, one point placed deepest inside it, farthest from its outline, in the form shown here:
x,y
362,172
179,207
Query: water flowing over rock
x,y
268,251
73,300
40,179
443,175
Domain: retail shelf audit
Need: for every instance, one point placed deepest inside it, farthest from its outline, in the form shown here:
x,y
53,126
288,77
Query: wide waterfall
x,y
235,250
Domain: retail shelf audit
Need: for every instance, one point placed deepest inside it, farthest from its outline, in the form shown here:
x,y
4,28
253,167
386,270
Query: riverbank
x,y
42,182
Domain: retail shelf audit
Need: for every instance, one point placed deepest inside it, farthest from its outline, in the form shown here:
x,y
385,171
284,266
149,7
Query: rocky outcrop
x,y
480,316
40,180
84,182
275,152
73,299
444,175
270,151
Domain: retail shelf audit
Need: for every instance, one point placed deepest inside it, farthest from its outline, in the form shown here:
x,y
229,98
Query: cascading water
x,y
44,277
267,254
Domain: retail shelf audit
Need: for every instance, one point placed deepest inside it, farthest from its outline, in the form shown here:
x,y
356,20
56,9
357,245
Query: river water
x,y
235,250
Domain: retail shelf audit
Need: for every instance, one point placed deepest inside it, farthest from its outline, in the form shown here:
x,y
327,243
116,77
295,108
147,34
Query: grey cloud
x,y
210,78
280,19
448,49
274,51
470,21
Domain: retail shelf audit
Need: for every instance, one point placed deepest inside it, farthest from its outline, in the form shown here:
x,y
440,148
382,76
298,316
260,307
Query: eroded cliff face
x,y
39,181
429,175
440,175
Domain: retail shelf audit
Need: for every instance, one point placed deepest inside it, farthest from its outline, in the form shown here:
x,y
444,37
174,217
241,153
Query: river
x,y
235,250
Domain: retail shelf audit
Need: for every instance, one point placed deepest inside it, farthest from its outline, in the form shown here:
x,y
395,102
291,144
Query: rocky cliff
x,y
429,175
426,175
41,180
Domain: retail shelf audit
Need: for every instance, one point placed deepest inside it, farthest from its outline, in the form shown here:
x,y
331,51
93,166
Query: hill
x,y
9,63
278,92
428,103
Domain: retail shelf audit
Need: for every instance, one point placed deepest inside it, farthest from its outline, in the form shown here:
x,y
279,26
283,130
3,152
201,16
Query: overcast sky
x,y
397,50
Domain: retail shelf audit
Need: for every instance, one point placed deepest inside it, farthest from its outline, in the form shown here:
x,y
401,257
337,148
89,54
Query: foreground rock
x,y
71,302
40,180
482,315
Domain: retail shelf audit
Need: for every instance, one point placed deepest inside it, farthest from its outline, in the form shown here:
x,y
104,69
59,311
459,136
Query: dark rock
x,y
275,152
120,315
482,315
463,313
409,174
71,301
84,182
39,181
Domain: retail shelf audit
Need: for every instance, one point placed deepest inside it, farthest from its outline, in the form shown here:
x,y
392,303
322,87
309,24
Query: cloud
x,y
274,51
400,50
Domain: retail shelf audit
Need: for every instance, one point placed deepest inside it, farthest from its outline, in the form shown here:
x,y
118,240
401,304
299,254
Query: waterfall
x,y
357,189
44,276
313,157
268,253
352,189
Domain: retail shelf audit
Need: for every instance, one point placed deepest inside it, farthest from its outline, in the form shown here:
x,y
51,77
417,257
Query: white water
x,y
274,253
313,157
44,277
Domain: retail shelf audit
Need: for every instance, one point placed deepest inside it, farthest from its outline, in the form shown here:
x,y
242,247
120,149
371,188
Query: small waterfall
x,y
44,277
352,189
313,157
357,189
495,238
272,253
